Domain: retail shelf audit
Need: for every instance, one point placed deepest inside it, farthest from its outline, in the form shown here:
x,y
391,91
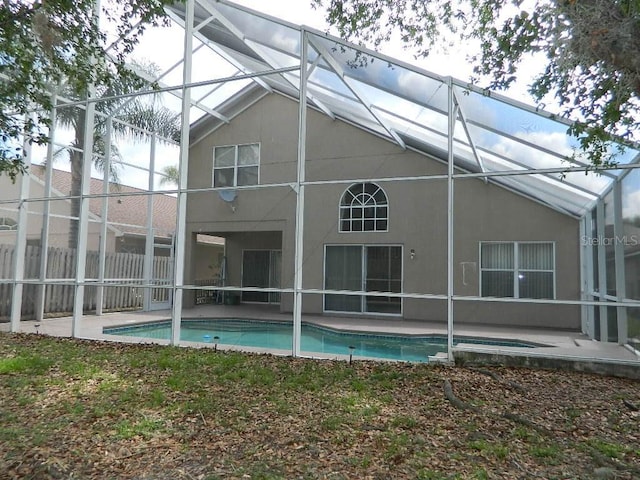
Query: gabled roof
x,y
126,214
496,138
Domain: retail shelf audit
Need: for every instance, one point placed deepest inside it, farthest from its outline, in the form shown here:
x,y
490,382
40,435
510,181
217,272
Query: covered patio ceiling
x,y
504,141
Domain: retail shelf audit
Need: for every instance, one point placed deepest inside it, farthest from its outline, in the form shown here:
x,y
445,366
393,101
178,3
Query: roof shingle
x,y
126,213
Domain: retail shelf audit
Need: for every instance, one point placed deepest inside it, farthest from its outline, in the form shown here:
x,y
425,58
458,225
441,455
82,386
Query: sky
x,y
294,11
452,63
167,46
300,12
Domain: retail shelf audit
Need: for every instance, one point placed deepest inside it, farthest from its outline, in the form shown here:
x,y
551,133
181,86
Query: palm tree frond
x,y
99,157
170,175
141,116
159,120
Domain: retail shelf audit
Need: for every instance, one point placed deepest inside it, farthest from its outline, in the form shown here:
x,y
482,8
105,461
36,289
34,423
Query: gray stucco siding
x,y
417,214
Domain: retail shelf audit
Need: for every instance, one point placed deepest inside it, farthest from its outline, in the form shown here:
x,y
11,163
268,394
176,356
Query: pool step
x,y
440,357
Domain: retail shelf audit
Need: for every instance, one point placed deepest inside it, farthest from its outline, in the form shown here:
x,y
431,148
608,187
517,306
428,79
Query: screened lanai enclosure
x,y
320,185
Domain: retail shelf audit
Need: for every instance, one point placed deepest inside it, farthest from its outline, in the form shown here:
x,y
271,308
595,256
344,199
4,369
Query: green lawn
x,y
79,409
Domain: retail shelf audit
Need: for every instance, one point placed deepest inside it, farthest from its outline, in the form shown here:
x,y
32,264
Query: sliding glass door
x,y
261,268
369,268
383,274
343,271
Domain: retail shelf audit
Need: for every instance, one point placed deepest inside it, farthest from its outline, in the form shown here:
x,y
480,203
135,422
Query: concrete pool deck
x,y
559,346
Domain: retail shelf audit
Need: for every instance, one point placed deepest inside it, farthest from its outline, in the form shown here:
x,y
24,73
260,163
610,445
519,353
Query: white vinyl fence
x,y
58,298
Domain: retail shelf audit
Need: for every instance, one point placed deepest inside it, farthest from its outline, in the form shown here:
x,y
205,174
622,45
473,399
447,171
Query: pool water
x,y
314,338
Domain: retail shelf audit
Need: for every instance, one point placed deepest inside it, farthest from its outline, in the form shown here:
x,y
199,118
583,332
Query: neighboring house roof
x,y
125,214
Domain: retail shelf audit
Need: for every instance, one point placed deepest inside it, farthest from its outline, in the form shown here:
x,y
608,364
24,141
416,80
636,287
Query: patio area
x,y
560,346
369,156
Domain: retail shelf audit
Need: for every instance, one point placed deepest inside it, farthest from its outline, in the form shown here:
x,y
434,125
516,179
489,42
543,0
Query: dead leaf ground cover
x,y
91,410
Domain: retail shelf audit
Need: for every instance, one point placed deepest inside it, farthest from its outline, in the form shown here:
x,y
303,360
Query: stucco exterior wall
x,y
417,214
209,258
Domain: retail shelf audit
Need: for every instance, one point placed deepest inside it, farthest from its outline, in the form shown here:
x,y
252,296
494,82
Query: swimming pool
x,y
271,335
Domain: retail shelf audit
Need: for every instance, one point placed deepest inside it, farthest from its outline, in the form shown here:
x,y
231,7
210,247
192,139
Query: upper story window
x,y
7,223
517,269
364,208
236,165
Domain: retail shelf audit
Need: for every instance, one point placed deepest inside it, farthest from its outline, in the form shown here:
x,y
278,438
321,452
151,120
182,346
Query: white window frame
x,y
351,207
363,298
8,224
516,265
235,164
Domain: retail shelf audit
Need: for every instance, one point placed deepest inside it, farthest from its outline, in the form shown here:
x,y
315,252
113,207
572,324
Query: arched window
x,y
364,208
7,223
